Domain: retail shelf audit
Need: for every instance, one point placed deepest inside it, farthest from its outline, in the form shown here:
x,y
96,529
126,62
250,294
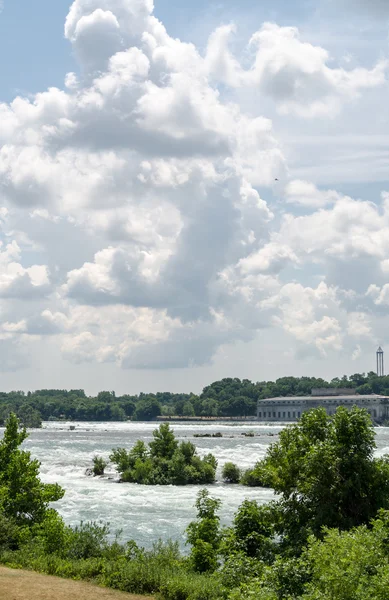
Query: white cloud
x,y
136,201
305,193
296,74
17,281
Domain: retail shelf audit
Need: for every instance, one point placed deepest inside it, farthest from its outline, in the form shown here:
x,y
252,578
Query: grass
x,y
27,585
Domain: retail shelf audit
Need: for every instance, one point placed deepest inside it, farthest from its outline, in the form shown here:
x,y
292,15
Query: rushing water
x,y
147,513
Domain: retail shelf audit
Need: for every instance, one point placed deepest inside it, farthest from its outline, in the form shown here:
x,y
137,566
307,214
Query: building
x,y
291,408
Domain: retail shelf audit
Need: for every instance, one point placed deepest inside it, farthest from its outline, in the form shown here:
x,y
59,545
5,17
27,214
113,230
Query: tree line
x,y
229,397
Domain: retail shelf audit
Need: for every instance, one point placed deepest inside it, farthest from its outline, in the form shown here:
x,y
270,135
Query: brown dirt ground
x,y
27,585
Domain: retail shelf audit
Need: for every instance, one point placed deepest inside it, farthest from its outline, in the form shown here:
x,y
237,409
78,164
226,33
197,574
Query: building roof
x,y
359,397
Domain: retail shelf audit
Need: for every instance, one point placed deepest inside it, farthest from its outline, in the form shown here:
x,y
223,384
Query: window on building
x,y
294,414
260,415
279,415
299,414
288,415
274,415
283,415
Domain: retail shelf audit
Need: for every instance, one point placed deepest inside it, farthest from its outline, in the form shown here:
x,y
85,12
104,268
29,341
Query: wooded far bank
x,y
229,397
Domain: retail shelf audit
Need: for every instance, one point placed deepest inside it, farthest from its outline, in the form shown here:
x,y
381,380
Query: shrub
x,y
253,531
87,540
255,477
9,534
52,534
231,473
99,465
135,577
191,587
204,534
164,462
238,569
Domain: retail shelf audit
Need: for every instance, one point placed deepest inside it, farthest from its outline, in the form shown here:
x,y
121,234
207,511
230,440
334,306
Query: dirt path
x,y
27,585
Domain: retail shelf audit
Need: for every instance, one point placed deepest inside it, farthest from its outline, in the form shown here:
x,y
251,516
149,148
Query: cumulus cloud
x,y
136,211
294,73
17,281
305,193
303,313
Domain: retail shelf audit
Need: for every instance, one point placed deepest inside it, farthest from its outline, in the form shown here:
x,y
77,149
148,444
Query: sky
x,y
191,191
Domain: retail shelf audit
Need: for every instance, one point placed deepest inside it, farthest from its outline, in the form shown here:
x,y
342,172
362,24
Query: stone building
x,y
291,408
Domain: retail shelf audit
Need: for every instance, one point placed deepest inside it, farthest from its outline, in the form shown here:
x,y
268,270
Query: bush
x,y
87,540
255,477
135,577
9,534
204,534
99,465
254,590
231,473
253,531
238,569
192,587
52,534
164,462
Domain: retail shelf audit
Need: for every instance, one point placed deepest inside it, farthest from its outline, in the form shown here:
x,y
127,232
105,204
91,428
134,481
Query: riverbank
x,y
28,585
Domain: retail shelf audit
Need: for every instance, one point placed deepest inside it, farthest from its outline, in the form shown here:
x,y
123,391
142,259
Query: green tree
x,y
99,465
147,409
164,443
204,533
326,474
117,413
30,417
23,497
350,565
188,410
231,473
253,531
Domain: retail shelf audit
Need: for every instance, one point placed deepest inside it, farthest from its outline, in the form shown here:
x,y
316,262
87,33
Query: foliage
x,y
256,477
87,540
325,472
231,473
350,565
252,532
99,465
326,536
238,569
23,497
9,533
147,409
192,587
164,461
164,443
204,534
229,397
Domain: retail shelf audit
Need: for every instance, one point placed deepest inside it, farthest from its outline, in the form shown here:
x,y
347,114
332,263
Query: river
x,y
147,513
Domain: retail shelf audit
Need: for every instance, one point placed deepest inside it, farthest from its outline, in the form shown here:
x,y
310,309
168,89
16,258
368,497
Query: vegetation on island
x,y
99,465
231,473
230,397
164,461
324,536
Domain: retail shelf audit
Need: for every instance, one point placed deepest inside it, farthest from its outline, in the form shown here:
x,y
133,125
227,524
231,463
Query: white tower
x,y
380,362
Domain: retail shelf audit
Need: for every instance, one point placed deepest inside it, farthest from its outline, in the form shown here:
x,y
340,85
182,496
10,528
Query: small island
x,y
164,461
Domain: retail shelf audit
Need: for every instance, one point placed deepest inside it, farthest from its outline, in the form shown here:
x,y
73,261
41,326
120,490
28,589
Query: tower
x,y
380,362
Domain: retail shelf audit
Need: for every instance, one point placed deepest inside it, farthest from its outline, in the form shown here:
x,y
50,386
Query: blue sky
x,y
179,203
